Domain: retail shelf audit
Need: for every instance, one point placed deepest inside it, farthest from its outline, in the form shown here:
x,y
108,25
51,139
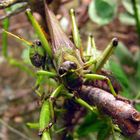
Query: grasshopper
x,y
70,66
67,58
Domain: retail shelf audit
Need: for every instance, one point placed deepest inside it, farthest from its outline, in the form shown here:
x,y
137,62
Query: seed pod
x,y
37,54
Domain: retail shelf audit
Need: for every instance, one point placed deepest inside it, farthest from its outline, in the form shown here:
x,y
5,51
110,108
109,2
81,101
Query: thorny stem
x,y
136,15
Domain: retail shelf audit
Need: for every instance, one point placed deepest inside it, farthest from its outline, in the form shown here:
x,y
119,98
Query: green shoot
x,y
4,38
21,65
39,32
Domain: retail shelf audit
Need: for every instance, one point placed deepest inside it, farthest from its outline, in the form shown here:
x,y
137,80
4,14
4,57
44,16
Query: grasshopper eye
x,y
62,70
73,65
38,42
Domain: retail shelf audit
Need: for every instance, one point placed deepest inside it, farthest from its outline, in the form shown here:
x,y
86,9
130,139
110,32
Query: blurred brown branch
x,y
122,113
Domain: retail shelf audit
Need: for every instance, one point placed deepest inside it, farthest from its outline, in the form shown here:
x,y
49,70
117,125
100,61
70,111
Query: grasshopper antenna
x,y
19,38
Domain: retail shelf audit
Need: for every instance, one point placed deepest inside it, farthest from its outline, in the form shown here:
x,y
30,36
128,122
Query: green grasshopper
x,y
69,64
71,68
67,59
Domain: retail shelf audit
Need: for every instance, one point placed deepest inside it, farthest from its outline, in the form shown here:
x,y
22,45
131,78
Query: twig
x,y
15,130
122,113
19,10
8,3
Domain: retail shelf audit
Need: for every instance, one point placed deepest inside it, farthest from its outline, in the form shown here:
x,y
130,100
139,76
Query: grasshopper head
x,y
66,67
37,54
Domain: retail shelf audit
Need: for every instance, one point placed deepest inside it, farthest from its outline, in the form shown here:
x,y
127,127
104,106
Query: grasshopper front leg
x,y
47,117
101,77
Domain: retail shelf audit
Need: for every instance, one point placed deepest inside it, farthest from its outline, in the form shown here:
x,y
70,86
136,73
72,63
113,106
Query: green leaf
x,y
137,107
128,6
91,124
127,19
102,11
104,132
137,58
119,73
123,54
93,127
89,121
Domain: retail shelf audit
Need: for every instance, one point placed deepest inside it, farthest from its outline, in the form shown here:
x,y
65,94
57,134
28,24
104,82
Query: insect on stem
x,y
39,32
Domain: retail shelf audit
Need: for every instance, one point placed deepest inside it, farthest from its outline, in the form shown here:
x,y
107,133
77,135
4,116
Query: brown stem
x,y
122,113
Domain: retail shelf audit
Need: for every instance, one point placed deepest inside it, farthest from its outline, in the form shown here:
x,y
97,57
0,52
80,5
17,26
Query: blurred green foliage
x,y
104,11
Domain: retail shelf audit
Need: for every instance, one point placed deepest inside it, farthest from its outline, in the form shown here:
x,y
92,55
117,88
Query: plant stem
x,y
4,38
21,66
136,15
17,132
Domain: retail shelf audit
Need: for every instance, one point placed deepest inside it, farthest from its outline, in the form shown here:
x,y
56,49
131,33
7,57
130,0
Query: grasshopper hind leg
x,y
101,77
